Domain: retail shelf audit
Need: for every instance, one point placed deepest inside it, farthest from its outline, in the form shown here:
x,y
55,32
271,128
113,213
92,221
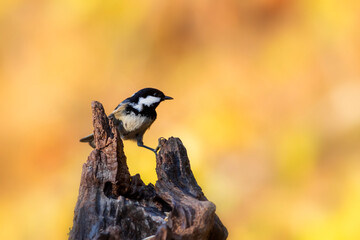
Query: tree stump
x,y
114,205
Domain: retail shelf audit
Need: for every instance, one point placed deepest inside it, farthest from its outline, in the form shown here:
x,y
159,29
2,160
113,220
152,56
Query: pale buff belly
x,y
134,126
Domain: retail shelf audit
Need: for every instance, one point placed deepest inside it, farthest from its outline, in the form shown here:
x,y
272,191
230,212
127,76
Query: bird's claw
x,y
159,145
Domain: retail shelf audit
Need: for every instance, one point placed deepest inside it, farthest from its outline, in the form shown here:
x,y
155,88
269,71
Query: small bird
x,y
133,116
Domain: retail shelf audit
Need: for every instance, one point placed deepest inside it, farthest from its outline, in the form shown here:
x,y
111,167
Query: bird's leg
x,y
144,146
141,144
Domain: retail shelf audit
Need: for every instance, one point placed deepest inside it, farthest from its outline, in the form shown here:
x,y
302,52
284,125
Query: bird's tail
x,y
89,139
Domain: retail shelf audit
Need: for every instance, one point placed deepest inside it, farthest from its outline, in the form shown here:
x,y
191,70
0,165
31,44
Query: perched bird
x,y
134,116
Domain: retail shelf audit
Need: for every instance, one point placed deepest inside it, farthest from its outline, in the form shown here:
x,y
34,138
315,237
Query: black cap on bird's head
x,y
151,92
148,97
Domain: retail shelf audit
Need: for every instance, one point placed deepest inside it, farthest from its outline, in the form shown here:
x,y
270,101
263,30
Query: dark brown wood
x,y
114,205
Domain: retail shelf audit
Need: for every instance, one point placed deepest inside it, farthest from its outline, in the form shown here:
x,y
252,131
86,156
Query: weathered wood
x,y
114,205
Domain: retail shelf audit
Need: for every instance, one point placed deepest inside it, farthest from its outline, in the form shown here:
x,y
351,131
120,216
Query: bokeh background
x,y
267,102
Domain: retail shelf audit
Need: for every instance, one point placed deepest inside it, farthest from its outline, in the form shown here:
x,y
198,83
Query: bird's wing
x,y
122,103
119,111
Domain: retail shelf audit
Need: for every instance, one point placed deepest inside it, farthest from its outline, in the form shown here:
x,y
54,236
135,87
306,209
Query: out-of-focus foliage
x,y
267,102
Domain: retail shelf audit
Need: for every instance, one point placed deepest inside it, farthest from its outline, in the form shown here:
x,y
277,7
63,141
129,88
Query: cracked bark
x,y
113,205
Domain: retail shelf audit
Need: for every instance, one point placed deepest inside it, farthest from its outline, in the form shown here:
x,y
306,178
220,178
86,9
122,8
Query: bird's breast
x,y
135,124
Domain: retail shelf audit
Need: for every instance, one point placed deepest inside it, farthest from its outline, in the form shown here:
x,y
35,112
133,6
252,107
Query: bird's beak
x,y
168,98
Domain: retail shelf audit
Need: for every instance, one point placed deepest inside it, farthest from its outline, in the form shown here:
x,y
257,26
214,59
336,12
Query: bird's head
x,y
147,98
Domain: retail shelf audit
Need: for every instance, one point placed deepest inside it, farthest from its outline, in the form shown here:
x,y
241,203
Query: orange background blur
x,y
267,102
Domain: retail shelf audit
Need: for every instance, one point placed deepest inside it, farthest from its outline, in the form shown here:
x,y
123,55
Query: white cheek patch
x,y
148,101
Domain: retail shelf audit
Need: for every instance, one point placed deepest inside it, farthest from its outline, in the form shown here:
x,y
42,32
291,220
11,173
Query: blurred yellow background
x,y
267,102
